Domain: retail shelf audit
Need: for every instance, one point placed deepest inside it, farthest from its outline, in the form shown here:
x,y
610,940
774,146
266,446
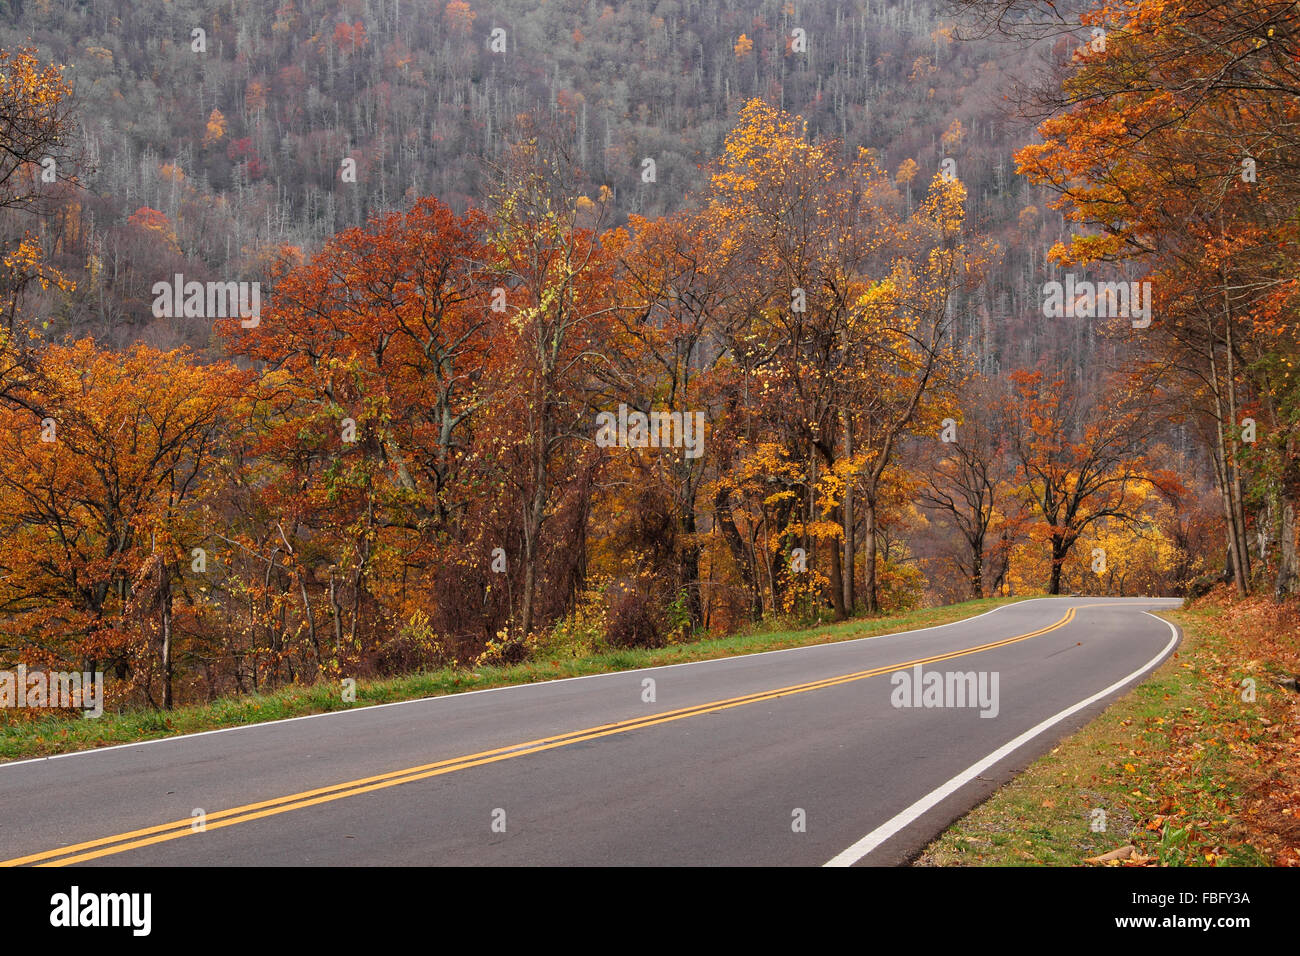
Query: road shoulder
x,y
1194,766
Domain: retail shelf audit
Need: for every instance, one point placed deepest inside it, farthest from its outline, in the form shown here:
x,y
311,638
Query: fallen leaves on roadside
x,y
1122,856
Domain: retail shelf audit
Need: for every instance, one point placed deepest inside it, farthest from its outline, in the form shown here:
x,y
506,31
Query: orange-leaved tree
x,y
104,457
1081,459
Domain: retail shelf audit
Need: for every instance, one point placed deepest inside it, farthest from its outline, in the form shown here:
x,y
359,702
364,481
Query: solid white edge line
x,y
891,826
365,708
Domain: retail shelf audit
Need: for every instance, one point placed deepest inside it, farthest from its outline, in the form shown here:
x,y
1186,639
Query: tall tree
x,y
557,280
1081,460
98,470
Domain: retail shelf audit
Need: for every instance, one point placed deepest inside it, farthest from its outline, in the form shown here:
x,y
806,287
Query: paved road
x,y
719,769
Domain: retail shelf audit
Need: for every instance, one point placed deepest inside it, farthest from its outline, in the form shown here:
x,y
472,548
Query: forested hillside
x,y
348,338
205,160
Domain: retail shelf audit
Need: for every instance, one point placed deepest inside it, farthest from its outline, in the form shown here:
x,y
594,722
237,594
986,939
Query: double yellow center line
x,y
122,842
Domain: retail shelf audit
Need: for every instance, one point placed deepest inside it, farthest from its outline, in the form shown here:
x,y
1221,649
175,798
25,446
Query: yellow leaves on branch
x,y
460,17
24,83
24,265
216,128
824,530
28,259
951,139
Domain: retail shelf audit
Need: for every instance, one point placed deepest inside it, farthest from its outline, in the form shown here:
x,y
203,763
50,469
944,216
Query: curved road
x,y
805,757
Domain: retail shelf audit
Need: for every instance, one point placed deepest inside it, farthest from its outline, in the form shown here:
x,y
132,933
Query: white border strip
x,y
887,829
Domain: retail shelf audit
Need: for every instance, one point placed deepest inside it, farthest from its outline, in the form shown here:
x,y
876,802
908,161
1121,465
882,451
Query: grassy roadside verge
x,y
56,734
1186,771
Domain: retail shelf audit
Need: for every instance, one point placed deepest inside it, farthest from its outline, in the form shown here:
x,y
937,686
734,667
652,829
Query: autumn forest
x,y
343,339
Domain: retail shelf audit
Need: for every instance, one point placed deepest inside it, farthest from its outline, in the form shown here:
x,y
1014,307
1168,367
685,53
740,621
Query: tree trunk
x,y
1286,564
1231,565
837,578
1234,472
533,517
166,601
337,612
739,553
849,599
530,587
530,567
1058,559
1235,530
689,571
869,555
311,616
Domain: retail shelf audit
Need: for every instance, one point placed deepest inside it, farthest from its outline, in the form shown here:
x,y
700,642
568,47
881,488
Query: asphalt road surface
x,y
799,757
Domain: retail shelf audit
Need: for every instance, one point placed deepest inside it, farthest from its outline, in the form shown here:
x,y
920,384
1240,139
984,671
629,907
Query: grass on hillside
x,y
57,734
